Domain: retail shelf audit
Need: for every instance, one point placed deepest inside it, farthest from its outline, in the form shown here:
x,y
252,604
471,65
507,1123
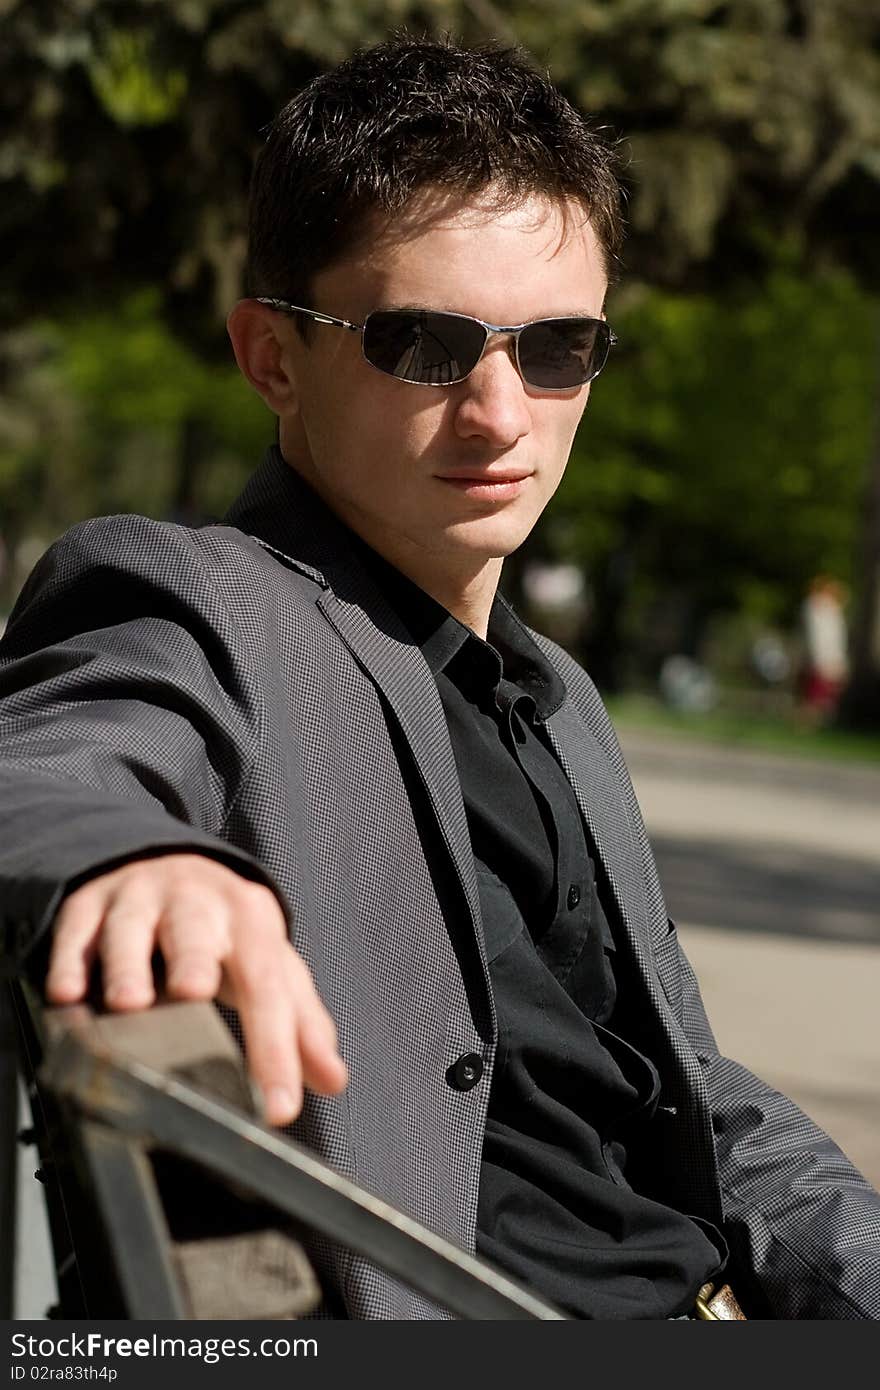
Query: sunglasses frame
x,y
489,329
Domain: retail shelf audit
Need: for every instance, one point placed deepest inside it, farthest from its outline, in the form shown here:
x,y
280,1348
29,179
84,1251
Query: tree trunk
x,y
186,505
860,705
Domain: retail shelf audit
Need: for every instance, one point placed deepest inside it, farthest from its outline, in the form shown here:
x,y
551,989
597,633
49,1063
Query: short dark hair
x,y
404,115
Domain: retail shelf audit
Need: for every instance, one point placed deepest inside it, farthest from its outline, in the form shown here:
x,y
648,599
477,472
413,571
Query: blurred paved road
x,y
771,868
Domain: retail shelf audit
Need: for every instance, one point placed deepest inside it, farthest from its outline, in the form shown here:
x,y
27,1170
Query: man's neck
x,y
465,591
465,587
468,601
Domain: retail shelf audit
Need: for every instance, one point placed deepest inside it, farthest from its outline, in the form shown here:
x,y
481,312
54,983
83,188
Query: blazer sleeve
x,y
802,1223
800,1219
128,717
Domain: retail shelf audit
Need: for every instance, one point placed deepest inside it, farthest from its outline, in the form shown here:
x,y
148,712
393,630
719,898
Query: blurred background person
x,y
825,660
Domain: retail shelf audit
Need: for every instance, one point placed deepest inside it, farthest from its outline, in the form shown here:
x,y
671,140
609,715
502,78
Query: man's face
x,y
443,479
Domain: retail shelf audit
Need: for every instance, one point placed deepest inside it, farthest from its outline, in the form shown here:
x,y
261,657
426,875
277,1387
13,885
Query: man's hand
x,y
221,936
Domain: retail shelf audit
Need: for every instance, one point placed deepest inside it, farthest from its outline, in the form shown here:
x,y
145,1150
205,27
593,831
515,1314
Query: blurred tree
x,y
860,706
108,411
749,122
128,129
744,121
722,457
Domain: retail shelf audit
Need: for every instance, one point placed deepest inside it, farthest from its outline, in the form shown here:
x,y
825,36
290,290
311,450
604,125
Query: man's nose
x,y
493,403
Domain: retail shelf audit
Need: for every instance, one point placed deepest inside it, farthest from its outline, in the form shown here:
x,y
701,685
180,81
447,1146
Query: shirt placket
x,y
563,938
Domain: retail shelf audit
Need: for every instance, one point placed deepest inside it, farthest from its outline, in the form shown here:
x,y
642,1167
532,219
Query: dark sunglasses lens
x,y
428,348
560,354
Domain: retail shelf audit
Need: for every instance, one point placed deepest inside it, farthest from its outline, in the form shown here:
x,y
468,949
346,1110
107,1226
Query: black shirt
x,y
569,1096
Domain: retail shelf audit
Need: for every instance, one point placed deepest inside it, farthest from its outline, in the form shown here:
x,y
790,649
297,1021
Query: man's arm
x,y
799,1217
803,1224
129,713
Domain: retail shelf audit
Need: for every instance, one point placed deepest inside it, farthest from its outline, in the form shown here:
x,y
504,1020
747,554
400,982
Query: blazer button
x,y
466,1072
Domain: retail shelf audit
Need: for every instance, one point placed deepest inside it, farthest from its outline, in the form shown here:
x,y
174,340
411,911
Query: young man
x,y
311,755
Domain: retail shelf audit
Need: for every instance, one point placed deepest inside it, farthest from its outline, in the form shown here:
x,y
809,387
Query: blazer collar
x,y
281,511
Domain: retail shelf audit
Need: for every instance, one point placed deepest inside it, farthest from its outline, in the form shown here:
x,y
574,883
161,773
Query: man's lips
x,y
487,486
487,475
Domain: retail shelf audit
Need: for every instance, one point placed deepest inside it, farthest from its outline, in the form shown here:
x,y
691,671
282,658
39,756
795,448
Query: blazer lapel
x,y
284,515
605,814
401,673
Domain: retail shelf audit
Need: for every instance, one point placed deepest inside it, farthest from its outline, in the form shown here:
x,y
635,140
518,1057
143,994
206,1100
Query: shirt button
x,y
574,897
466,1072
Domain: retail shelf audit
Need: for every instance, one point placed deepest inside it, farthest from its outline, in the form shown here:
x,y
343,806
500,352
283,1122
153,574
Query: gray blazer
x,y
244,690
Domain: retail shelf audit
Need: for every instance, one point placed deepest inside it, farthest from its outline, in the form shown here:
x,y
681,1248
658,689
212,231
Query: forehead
x,y
444,248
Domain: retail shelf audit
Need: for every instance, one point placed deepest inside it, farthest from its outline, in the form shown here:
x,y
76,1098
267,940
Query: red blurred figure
x,y
826,664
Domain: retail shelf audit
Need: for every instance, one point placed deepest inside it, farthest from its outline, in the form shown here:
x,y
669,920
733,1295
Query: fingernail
x,y
62,986
279,1105
127,993
189,982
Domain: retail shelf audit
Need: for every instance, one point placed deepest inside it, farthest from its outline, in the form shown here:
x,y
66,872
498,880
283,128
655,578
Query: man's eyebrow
x,y
413,308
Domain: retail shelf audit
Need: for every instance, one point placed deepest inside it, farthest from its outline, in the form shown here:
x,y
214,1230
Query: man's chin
x,y
492,538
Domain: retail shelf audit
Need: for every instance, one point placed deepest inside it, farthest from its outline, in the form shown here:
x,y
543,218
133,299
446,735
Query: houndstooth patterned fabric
x,y
245,691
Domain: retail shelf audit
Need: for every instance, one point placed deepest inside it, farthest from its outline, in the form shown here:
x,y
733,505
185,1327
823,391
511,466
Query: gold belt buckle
x,y
718,1307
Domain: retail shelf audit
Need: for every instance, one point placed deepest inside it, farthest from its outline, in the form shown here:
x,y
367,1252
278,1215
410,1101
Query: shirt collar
x,y
510,652
524,662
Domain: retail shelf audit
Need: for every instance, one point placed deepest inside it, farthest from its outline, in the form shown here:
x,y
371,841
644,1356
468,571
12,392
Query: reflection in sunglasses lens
x,y
556,354
428,348
436,349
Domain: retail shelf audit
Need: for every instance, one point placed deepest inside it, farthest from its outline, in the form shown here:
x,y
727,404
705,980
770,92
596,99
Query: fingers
x,y
194,939
126,951
74,947
269,1028
289,1036
112,917
220,935
323,1068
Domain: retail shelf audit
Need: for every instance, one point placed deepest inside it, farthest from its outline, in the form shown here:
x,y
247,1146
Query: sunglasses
x,y
432,348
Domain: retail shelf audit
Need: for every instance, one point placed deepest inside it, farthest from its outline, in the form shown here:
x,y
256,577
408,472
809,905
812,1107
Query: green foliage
x,y
101,420
133,125
750,114
128,83
724,451
744,729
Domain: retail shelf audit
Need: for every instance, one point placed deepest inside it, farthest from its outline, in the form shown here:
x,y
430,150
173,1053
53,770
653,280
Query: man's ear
x,y
261,342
